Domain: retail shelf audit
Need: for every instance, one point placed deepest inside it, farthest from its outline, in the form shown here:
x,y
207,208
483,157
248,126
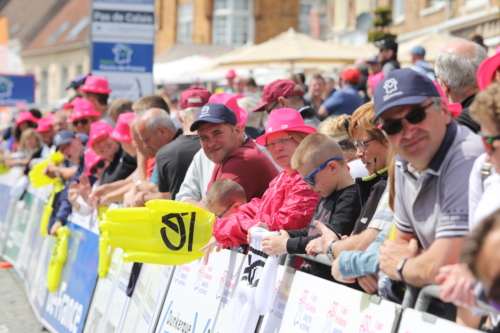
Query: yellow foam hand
x,y
36,175
3,168
104,257
47,208
164,232
58,259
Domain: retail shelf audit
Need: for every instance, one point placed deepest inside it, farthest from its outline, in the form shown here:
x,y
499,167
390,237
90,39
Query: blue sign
x,y
15,89
122,57
67,307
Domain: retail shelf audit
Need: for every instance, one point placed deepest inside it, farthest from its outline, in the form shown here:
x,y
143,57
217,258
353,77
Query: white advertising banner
x,y
413,321
318,305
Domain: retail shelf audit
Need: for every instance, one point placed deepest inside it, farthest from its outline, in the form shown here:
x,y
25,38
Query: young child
x,y
319,160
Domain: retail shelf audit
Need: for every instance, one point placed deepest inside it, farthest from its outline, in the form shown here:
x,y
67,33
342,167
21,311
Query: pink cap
x,y
71,104
96,84
91,159
122,130
194,97
487,70
230,101
230,74
25,116
98,130
282,120
50,116
238,96
82,109
455,109
374,79
44,125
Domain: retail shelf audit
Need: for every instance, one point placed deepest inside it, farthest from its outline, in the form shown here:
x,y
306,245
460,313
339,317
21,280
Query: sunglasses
x,y
99,165
488,141
83,121
225,211
415,116
309,179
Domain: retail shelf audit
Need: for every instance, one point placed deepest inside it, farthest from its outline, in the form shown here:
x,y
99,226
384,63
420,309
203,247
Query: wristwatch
x,y
329,252
399,268
137,183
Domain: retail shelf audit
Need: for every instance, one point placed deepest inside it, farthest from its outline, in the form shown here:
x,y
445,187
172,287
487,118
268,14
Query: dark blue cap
x,y
402,87
83,138
418,51
214,113
63,137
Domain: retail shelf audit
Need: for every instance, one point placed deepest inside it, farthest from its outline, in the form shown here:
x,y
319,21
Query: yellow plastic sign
x,y
58,259
36,175
47,208
164,232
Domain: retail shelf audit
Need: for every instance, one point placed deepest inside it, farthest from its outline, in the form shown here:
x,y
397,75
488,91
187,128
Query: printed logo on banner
x,y
305,311
277,296
6,86
366,325
123,53
222,283
67,311
122,57
181,275
203,279
334,316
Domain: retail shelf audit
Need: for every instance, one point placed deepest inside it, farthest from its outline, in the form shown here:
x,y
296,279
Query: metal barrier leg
x,y
426,295
410,297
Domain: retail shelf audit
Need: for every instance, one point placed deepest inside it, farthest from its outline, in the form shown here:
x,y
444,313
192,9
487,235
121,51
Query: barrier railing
x,y
186,298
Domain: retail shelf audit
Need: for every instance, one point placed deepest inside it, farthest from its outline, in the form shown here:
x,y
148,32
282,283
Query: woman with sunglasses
x,y
84,114
288,203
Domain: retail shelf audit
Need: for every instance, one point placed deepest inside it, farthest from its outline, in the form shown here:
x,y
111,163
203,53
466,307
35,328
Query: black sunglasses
x,y
99,165
83,121
415,116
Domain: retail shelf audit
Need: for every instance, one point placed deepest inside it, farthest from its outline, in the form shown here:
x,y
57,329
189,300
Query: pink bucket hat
x,y
122,130
98,130
91,160
44,125
487,70
282,120
229,100
230,74
83,108
96,84
25,116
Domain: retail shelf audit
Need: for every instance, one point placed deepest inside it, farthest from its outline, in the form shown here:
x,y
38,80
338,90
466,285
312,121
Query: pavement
x,y
16,315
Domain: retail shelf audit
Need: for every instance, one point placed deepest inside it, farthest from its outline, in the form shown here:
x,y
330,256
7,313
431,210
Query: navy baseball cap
x,y
418,51
63,137
214,113
402,87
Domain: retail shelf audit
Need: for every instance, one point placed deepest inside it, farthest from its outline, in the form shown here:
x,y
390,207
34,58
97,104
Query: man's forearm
x,y
355,243
157,195
117,195
66,173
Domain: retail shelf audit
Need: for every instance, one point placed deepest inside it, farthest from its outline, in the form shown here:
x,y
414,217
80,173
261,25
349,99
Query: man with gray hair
x,y
456,67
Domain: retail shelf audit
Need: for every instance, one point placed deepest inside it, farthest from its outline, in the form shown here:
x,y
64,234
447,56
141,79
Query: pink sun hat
x,y
91,159
487,70
229,100
44,125
122,130
282,120
230,74
25,116
96,84
83,108
98,130
69,105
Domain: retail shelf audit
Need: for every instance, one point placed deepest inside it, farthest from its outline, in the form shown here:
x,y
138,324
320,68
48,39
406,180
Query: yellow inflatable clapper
x,y
58,259
47,208
36,175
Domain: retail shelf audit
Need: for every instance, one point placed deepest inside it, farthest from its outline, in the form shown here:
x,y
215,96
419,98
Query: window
x,y
362,6
44,86
340,15
312,18
62,28
78,69
304,17
233,22
185,13
398,11
64,80
432,3
73,33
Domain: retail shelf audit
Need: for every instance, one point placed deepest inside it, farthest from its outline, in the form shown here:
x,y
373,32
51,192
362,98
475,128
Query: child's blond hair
x,y
317,148
224,192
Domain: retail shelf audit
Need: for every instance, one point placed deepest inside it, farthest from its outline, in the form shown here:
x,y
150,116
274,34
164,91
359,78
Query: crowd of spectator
x,y
395,182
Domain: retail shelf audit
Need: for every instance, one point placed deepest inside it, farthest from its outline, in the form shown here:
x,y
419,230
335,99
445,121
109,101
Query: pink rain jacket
x,y
287,204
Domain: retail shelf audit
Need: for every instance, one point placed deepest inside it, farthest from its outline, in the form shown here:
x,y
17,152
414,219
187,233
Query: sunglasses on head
x,y
83,121
225,211
488,141
309,179
99,165
415,116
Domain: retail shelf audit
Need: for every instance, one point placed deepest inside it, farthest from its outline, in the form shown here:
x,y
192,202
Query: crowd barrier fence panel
x,y
413,321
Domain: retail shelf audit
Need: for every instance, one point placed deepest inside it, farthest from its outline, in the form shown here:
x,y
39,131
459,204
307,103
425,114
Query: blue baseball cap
x,y
418,51
402,87
214,113
373,60
63,137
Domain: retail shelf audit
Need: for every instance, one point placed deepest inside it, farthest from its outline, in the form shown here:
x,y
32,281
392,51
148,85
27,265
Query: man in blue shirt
x,y
419,64
346,100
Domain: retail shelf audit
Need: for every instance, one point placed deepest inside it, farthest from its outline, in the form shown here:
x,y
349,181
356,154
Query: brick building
x,y
415,18
234,22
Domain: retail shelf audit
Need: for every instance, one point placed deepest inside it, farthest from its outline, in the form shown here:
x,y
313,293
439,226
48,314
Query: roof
x,y
179,51
27,17
69,26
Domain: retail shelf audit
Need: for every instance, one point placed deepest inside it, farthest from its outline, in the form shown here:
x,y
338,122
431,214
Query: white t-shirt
x,y
357,169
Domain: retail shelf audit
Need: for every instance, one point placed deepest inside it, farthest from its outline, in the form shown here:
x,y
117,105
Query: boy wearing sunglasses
x,y
319,160
433,163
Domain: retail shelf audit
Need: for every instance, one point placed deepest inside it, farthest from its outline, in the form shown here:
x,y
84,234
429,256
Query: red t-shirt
x,y
249,167
150,166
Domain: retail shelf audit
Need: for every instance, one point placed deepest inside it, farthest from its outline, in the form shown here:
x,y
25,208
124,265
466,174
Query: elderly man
x,y
236,157
456,67
281,94
434,156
